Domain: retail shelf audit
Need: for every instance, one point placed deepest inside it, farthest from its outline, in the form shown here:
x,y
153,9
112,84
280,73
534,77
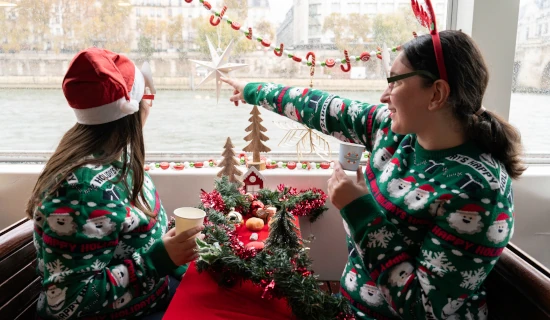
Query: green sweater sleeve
x,y
345,119
451,263
82,241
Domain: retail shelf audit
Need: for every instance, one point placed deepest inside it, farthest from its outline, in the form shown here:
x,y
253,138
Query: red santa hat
x,y
128,214
390,150
63,211
482,304
410,179
472,208
371,284
463,297
102,86
395,161
502,218
98,214
427,188
305,92
385,130
445,197
112,278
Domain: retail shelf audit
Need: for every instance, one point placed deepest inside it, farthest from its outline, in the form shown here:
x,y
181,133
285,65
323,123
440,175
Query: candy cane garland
x,y
345,63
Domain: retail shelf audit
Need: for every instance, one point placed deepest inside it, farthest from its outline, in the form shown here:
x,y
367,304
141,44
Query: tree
x,y
145,48
395,28
265,29
220,35
350,32
106,28
26,27
153,29
256,137
283,232
229,163
174,34
237,10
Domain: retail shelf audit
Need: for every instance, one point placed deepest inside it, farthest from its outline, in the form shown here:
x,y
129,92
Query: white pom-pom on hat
x,y
129,107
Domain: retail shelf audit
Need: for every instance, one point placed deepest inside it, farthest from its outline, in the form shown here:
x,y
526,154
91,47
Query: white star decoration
x,y
219,67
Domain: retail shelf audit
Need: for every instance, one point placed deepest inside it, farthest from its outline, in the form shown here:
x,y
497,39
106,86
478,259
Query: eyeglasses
x,y
391,80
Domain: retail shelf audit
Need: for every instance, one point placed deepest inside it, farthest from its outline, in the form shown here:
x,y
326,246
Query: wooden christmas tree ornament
x,y
255,137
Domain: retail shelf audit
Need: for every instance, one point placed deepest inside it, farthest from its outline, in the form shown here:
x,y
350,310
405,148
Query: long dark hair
x,y
468,77
120,139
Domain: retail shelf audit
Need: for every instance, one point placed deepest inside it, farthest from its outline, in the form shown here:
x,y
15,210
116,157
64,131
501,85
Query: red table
x,y
200,297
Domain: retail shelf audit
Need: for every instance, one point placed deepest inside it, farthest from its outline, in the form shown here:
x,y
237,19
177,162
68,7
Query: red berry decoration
x,y
291,165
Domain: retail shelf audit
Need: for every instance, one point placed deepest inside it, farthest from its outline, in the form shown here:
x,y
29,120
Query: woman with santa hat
x,y
101,237
430,215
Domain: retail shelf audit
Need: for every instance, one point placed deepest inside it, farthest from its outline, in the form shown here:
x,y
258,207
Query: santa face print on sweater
x,y
296,92
56,297
371,294
62,224
381,157
122,301
291,112
399,275
98,225
120,275
336,106
466,221
452,306
499,230
388,170
418,198
131,221
351,280
399,187
482,312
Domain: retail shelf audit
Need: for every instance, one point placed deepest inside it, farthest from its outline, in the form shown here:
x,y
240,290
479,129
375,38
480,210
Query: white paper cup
x,y
187,218
350,155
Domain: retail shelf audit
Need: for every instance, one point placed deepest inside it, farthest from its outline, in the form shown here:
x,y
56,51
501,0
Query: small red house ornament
x,y
253,180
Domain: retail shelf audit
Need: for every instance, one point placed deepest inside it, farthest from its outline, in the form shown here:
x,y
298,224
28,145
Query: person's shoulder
x,y
93,175
486,170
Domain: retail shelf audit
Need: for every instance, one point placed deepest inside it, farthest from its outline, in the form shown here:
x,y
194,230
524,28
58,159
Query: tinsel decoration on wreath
x,y
283,267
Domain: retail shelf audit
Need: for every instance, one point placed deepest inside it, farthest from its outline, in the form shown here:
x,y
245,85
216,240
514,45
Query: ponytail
x,y
496,136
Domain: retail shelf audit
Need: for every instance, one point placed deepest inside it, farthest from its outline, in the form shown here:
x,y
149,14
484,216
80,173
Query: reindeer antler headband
x,y
427,19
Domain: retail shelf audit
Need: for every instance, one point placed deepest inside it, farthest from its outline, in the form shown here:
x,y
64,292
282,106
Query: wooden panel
x,y
17,261
20,301
18,282
323,285
15,236
334,286
517,289
29,313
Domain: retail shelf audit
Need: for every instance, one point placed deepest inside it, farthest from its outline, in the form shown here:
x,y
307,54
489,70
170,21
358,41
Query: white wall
x,y
328,251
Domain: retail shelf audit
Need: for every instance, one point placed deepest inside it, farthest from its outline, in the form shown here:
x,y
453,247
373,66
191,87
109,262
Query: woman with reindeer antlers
x,y
429,217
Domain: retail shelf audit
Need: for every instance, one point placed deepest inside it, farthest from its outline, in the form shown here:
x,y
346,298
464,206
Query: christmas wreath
x,y
282,267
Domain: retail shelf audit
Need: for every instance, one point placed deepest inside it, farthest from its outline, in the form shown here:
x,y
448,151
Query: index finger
x,y
229,81
338,171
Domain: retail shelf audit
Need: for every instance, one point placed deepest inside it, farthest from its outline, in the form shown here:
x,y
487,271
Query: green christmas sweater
x,y
99,256
422,242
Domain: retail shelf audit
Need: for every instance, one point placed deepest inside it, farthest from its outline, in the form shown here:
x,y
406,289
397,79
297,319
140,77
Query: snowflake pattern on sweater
x,y
434,224
99,256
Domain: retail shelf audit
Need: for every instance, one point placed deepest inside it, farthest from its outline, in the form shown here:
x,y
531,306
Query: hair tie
x,y
480,111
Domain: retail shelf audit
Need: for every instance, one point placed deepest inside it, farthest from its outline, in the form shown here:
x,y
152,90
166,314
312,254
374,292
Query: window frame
x,y
472,17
